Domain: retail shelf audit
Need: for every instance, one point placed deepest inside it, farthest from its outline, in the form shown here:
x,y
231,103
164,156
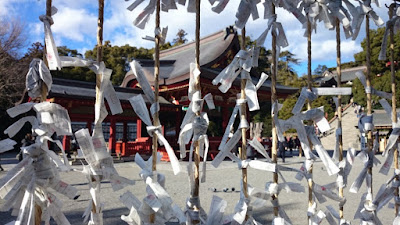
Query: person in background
x,y
291,145
281,147
28,140
298,145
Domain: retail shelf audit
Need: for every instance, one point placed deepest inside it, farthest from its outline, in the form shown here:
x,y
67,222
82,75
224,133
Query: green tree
x,y
264,116
116,58
380,72
180,38
73,73
320,69
13,68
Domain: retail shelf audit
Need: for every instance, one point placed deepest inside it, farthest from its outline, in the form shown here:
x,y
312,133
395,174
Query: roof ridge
x,y
178,48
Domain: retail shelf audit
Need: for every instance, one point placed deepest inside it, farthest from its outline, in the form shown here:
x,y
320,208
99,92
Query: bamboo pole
x,y
43,97
339,109
369,101
394,113
243,116
309,86
156,120
99,46
99,58
274,150
195,192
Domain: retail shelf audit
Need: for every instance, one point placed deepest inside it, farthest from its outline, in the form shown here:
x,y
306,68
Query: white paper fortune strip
x,y
359,13
330,166
216,213
393,139
369,160
37,75
390,24
140,109
371,90
7,144
52,57
143,17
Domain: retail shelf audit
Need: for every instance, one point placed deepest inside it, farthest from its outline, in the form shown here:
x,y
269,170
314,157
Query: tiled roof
x,y
175,62
87,90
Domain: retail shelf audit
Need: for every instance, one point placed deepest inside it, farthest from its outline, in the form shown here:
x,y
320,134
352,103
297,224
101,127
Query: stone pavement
x,y
350,132
226,176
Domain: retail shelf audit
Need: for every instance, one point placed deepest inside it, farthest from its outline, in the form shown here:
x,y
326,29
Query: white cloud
x,y
74,24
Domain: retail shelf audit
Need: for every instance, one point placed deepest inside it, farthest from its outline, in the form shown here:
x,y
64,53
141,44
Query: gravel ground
x,y
226,176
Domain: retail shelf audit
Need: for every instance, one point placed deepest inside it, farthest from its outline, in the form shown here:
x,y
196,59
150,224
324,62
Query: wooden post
x,y
339,109
99,44
99,76
394,113
274,150
309,86
369,100
43,97
196,153
243,155
156,121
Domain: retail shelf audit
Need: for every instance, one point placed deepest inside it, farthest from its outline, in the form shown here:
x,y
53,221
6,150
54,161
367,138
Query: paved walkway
x,y
350,133
226,176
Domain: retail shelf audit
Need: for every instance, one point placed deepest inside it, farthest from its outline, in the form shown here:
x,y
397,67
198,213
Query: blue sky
x,y
75,26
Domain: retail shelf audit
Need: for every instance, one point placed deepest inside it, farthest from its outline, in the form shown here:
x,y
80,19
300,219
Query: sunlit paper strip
x,y
140,109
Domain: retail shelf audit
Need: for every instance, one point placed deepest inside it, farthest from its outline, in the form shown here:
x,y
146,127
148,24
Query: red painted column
x,y
111,141
67,143
124,138
138,128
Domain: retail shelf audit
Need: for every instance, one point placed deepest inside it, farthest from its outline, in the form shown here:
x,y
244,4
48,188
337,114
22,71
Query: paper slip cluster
x,y
369,206
166,5
100,163
194,129
28,184
393,142
157,202
140,108
390,24
307,137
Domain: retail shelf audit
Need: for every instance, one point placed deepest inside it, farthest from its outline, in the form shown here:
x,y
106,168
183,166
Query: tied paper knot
x,y
46,19
38,75
359,13
193,208
316,10
244,164
315,218
365,123
246,8
162,35
305,94
153,129
368,89
143,17
341,13
49,19
273,189
200,126
392,24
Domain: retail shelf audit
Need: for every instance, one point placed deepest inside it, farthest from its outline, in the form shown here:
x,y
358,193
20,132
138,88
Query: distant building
x,y
329,79
125,132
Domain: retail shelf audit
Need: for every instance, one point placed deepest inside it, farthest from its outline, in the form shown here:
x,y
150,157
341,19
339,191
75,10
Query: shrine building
x,y
125,133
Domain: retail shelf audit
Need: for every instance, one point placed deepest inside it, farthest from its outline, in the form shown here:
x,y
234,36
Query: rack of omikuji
x,y
26,188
